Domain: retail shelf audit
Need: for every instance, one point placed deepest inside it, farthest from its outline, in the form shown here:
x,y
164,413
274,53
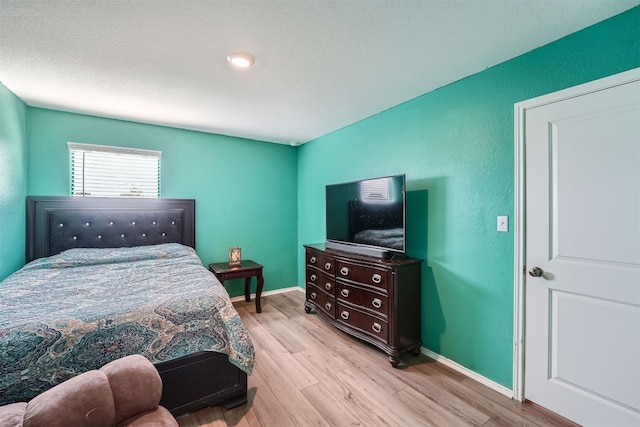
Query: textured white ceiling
x,y
320,64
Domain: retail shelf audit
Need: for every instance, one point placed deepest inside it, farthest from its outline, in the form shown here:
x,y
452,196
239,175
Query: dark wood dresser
x,y
374,299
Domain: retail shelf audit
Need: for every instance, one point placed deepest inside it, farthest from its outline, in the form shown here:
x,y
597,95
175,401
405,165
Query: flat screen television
x,y
367,216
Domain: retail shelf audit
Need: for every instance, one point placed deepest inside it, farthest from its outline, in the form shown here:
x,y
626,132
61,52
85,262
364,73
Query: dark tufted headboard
x,y
55,224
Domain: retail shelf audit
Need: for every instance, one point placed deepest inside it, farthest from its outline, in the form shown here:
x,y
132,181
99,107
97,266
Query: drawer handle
x,y
376,278
345,293
376,327
327,266
328,306
312,260
377,303
313,295
327,286
344,271
313,277
344,315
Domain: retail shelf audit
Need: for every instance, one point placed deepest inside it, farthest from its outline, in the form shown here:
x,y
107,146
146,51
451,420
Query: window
x,y
104,171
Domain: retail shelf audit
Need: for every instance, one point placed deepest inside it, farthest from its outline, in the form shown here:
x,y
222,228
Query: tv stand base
x,y
361,250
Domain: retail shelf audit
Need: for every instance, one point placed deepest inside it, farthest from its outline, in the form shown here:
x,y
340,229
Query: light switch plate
x,y
503,223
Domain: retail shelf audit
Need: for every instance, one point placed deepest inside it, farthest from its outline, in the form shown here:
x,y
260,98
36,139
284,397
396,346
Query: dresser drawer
x,y
321,261
365,275
323,281
377,302
321,300
363,322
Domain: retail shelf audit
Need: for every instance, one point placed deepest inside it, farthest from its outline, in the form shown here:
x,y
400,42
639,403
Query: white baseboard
x,y
267,293
468,372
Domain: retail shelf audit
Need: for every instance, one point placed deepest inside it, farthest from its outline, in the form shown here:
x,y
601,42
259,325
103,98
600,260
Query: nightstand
x,y
247,269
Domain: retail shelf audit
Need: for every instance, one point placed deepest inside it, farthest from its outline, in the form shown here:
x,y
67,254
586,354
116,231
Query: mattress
x,y
73,312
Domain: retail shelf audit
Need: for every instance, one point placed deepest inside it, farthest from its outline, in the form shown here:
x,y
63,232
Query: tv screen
x,y
365,214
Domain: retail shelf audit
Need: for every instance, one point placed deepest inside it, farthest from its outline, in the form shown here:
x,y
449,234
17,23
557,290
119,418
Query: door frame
x,y
519,303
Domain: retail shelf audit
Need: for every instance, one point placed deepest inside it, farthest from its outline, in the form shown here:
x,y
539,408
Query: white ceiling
x,y
320,64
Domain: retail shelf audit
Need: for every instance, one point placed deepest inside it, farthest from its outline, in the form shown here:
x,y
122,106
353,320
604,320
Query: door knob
x,y
536,272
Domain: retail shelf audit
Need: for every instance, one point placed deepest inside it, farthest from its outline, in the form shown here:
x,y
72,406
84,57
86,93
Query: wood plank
x,y
535,413
325,375
321,357
480,402
249,321
383,400
429,385
298,408
277,324
265,402
353,350
296,372
431,412
333,411
290,305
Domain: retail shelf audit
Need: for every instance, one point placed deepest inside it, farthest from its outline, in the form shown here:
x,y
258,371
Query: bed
x,y
111,277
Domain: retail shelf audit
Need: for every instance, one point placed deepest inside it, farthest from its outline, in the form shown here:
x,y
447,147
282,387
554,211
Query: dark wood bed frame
x,y
190,382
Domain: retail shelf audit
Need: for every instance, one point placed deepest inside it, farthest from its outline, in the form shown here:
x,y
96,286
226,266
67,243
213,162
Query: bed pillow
x,y
78,257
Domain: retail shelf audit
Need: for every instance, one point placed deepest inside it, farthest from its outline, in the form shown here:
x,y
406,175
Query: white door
x,y
582,241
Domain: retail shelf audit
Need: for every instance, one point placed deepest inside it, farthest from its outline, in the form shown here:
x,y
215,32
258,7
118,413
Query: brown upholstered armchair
x,y
125,392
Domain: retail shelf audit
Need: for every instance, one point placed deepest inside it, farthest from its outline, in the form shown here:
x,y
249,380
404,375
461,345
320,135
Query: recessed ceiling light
x,y
240,60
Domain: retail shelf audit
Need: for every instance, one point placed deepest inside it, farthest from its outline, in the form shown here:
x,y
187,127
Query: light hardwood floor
x,y
307,373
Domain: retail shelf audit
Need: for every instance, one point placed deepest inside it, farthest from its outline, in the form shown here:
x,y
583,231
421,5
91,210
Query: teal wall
x,y
455,145
13,181
245,190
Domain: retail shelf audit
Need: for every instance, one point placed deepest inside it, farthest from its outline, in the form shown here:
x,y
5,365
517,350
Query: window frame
x,y
107,155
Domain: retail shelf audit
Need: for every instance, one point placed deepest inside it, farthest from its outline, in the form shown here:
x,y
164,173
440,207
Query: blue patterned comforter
x,y
73,312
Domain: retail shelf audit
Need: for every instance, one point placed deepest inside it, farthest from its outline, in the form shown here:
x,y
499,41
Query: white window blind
x,y
105,171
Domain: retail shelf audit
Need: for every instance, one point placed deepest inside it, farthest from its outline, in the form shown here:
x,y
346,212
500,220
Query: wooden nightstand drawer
x,y
363,322
365,275
321,300
376,302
